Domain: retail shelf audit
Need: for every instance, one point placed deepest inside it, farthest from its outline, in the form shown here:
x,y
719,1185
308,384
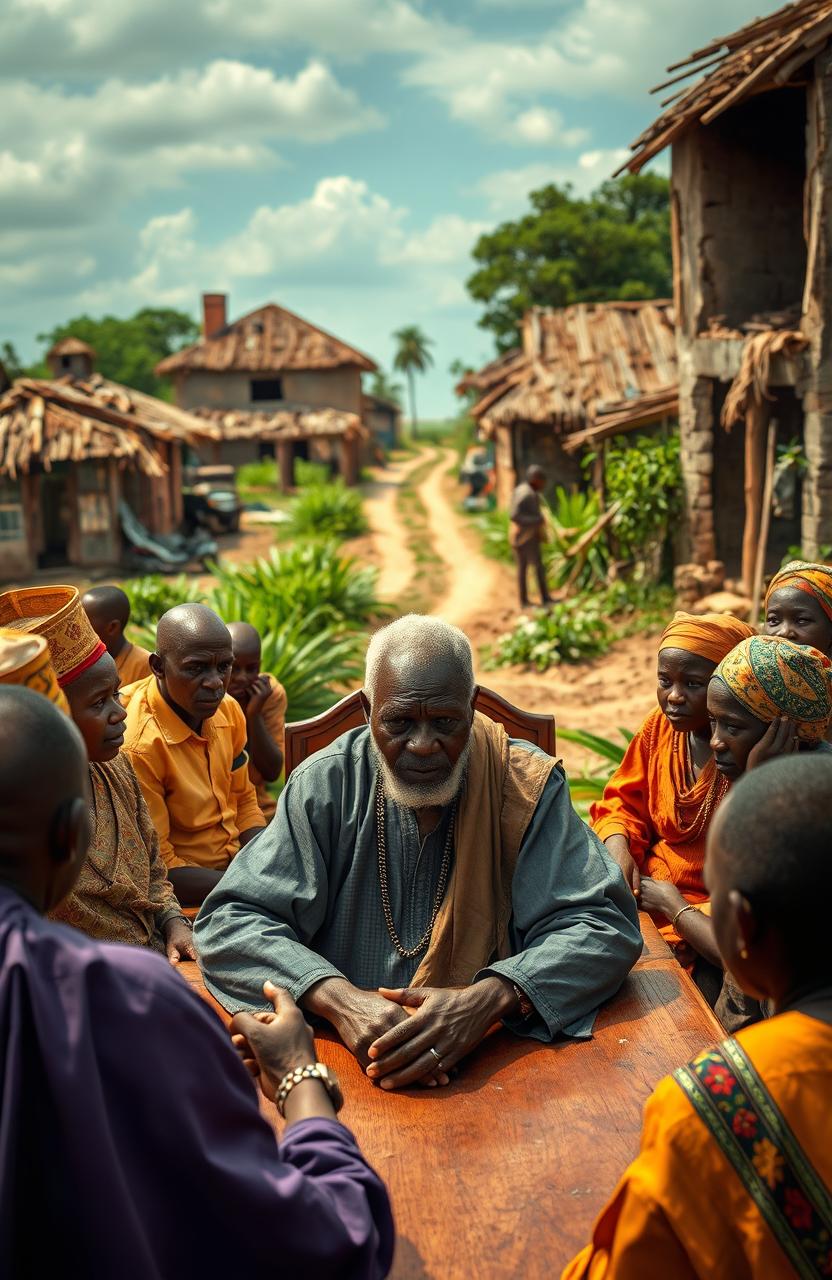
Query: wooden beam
x,y
765,523
756,418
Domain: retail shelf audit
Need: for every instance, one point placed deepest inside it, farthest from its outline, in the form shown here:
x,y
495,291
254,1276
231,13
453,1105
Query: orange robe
x,y
133,663
274,718
681,1210
649,801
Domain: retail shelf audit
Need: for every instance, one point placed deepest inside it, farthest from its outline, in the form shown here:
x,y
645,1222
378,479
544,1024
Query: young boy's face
x,y
245,669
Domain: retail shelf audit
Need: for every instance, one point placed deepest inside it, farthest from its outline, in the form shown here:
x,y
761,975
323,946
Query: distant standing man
x,y
528,532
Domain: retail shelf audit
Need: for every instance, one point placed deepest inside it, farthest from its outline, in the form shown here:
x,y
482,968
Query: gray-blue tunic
x,y
301,901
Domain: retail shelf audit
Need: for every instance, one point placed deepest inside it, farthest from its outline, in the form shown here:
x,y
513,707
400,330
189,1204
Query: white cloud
x,y
77,156
343,235
506,191
60,35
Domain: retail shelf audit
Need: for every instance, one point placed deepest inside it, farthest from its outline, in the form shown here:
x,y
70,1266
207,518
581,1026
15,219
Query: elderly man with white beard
x,y
424,878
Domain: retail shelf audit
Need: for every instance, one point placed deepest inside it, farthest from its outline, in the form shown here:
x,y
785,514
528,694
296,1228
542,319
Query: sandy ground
x,y
387,545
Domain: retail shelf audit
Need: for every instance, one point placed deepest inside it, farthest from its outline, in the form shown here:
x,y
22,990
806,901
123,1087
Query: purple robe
x,y
131,1143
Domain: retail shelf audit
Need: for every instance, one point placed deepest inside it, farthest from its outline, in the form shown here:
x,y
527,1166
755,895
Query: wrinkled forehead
x,y
413,677
190,647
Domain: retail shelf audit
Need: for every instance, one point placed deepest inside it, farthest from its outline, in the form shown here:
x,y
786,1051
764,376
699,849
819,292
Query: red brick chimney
x,y
213,313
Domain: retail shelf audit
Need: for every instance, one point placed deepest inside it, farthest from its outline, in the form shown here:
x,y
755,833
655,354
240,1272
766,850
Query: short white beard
x,y
428,795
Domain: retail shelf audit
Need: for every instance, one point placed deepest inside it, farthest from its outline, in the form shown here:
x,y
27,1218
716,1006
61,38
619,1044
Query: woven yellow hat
x,y
56,613
24,660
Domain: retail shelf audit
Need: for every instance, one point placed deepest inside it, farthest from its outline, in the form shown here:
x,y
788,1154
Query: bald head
x,y
108,610
769,874
44,826
774,835
192,662
188,625
245,639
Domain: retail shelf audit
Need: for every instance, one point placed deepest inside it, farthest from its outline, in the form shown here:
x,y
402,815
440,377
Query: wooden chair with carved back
x,y
304,737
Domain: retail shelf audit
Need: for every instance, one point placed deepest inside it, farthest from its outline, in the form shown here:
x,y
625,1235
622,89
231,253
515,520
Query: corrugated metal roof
x,y
765,54
65,420
579,363
267,340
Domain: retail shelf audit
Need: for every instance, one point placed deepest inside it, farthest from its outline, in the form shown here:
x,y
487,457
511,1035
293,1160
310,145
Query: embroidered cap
x,y
24,660
56,613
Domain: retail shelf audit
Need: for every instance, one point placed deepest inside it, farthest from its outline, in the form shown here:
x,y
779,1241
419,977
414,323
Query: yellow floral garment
x,y
720,1200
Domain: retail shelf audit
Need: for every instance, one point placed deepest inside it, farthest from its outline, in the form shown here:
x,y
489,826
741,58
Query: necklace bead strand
x,y
408,953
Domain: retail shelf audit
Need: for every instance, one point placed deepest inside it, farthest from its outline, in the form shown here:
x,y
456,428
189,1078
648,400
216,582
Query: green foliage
x,y
315,661
573,514
327,511
153,595
565,632
306,578
612,244
128,350
494,527
11,362
644,474
258,475
824,555
412,356
309,473
585,788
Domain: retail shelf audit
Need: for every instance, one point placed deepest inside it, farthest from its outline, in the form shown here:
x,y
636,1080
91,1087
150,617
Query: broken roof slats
x,y
577,360
45,422
760,55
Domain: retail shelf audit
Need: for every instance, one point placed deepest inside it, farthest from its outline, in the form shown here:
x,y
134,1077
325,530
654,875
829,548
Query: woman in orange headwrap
x,y
798,605
656,808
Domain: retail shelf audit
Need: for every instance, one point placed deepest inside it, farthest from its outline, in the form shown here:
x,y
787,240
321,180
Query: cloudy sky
x,y
336,156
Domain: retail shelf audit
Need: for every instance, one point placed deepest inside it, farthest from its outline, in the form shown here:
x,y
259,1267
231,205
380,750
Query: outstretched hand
x,y
273,1042
179,941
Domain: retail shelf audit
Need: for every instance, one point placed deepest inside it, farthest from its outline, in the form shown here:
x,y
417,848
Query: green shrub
x,y
314,659
565,632
644,474
258,475
305,578
311,473
153,595
573,514
327,511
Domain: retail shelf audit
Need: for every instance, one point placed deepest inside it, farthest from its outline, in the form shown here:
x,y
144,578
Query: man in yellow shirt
x,y
108,610
186,739
263,700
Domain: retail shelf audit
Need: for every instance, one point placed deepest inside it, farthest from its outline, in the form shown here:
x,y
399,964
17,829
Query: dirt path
x,y
390,551
474,583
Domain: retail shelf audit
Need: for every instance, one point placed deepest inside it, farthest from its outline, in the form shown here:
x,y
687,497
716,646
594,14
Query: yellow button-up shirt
x,y
196,786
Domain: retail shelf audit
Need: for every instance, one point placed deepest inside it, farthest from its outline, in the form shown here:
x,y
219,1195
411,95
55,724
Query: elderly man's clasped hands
x,y
443,1026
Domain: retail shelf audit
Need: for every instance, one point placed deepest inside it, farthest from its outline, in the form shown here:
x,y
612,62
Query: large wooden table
x,y
501,1174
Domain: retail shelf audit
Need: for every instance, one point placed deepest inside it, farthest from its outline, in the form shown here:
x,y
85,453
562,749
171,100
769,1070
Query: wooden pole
x,y
755,450
765,523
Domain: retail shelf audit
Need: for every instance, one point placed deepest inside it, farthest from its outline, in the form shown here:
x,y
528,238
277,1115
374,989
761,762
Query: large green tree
x,y
612,244
412,356
128,350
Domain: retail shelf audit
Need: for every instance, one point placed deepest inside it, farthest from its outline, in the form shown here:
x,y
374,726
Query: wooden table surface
x,y
502,1173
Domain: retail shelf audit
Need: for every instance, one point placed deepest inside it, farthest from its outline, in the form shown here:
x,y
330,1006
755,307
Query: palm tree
x,y
384,388
412,356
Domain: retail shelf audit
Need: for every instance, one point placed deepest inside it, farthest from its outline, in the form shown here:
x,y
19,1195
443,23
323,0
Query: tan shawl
x,y
503,786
